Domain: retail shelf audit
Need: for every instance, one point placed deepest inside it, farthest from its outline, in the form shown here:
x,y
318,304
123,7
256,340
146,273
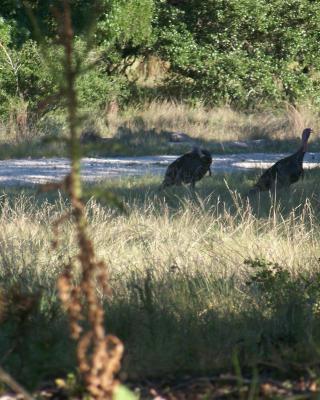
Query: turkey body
x,y
189,168
285,171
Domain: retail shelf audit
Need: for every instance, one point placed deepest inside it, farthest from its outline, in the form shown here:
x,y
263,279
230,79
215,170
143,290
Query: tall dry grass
x,y
180,299
210,238
146,129
219,123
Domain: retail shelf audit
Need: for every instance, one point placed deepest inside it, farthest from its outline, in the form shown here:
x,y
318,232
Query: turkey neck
x,y
301,151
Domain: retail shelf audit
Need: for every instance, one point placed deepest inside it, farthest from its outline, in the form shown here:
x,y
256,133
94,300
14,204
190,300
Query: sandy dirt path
x,y
33,171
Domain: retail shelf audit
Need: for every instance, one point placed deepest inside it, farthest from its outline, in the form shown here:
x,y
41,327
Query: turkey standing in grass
x,y
189,168
284,172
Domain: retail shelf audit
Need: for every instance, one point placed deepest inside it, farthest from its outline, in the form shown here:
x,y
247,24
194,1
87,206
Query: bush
x,y
290,302
242,52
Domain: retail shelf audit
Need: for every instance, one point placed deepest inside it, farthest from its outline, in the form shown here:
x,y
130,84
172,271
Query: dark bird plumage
x,y
189,168
285,171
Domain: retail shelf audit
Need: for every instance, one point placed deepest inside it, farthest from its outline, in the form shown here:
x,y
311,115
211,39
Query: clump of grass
x,y
187,289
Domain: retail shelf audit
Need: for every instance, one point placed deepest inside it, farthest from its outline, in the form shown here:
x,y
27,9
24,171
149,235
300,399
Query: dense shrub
x,y
242,52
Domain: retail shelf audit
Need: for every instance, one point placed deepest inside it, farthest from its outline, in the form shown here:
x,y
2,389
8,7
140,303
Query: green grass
x,y
185,300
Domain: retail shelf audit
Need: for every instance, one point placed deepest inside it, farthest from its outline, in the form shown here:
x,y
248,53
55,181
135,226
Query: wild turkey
x,y
189,168
286,171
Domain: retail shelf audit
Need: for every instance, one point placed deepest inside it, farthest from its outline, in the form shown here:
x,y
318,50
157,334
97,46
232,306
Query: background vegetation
x,y
250,55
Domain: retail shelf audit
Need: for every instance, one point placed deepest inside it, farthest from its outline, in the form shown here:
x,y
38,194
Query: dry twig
x,y
13,384
98,354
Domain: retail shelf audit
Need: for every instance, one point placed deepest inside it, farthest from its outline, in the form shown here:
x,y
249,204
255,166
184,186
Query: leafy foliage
x,y
240,52
123,28
291,299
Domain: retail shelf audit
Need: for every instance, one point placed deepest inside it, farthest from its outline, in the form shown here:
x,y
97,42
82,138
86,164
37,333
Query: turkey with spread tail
x,y
189,168
285,171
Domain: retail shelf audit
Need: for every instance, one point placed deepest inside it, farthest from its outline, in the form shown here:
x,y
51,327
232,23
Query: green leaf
x,y
123,393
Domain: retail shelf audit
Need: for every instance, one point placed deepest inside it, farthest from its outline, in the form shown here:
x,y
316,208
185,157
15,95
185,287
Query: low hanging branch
x,y
98,354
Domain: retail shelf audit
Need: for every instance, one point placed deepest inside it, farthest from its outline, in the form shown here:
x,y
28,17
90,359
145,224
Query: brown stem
x,y
99,367
13,384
